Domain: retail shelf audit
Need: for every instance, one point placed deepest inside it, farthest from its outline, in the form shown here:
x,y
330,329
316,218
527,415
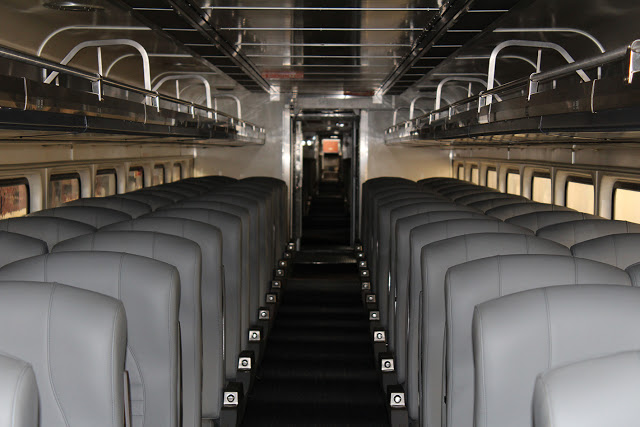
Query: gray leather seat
x,y
186,256
399,271
132,207
592,393
436,179
479,197
48,229
474,282
95,217
259,246
442,183
621,250
517,337
172,195
515,209
235,327
18,393
281,194
150,293
456,194
14,247
209,239
488,204
183,191
573,232
152,200
78,388
436,259
537,220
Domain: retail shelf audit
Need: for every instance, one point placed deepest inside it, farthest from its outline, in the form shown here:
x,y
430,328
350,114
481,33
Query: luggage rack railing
x,y
151,97
529,85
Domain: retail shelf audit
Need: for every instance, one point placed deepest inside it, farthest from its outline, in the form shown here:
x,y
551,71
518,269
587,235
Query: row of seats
x,y
136,306
465,278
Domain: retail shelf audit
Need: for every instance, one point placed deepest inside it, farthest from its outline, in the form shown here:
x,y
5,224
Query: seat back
x,y
48,229
573,232
456,194
95,217
15,246
152,200
75,340
621,250
537,220
487,204
150,293
158,192
515,209
518,336
478,197
133,208
591,393
209,239
18,393
231,229
186,256
474,282
399,269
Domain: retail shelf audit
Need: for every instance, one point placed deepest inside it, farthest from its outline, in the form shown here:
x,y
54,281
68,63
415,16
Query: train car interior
x,y
252,213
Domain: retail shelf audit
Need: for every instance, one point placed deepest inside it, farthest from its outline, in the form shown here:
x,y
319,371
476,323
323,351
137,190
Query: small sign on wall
x,y
331,146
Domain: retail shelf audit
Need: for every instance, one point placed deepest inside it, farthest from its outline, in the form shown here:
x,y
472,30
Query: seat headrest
x,y
75,340
573,232
621,250
15,246
49,229
515,209
18,393
152,200
487,204
133,208
478,281
94,216
536,220
518,336
597,392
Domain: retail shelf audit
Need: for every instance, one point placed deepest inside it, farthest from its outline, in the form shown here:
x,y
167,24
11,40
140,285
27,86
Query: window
x,y
475,174
135,179
14,198
177,171
63,188
626,201
492,178
541,187
580,194
106,183
513,182
158,175
460,171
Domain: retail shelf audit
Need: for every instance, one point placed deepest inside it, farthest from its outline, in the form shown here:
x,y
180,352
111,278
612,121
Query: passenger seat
x,y
18,393
14,247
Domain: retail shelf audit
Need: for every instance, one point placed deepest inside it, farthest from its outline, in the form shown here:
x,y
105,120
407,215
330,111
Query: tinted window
x,y
460,172
513,182
580,195
492,178
626,202
158,175
63,188
14,198
541,189
106,183
475,175
177,172
135,178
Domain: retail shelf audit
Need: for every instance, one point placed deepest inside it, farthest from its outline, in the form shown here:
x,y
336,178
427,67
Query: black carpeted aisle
x,y
318,368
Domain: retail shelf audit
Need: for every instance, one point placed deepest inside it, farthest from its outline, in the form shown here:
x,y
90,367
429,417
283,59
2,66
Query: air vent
x,y
72,6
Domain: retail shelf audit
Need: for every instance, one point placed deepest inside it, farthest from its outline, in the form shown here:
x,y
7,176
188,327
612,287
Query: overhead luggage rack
x,y
537,109
108,108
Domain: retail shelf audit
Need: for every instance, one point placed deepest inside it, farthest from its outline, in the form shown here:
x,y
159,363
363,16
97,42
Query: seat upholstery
x,y
537,220
436,259
186,256
95,217
209,239
174,196
152,200
18,393
515,209
474,282
182,191
621,250
485,205
78,388
518,336
15,246
231,229
48,229
456,194
399,271
478,197
150,293
592,393
132,207
573,232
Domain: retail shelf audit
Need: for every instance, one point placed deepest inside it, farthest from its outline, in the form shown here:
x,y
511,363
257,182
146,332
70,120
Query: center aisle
x,y
318,368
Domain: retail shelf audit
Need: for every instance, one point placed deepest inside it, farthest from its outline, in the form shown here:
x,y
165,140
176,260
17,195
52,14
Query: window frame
x,y
486,177
624,185
461,165
541,174
580,179
506,180
10,182
135,168
106,171
154,168
179,165
62,177
473,167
